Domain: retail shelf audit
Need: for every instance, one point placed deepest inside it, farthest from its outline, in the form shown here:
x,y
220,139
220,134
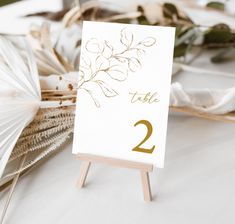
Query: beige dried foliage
x,y
43,136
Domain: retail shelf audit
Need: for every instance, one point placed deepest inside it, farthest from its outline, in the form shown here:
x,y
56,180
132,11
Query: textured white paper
x,y
118,60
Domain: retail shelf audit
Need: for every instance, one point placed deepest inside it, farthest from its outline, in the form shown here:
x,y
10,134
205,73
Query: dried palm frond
x,y
20,97
49,60
19,100
44,135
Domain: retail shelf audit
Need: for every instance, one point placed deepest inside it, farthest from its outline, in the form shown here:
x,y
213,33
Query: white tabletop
x,y
197,184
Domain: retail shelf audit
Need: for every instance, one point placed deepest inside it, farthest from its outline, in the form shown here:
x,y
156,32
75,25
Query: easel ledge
x,y
144,169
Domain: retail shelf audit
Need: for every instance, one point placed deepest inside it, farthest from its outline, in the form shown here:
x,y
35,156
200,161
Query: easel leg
x,y
85,165
146,185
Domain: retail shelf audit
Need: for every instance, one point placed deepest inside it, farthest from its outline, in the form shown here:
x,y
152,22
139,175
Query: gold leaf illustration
x,y
107,90
94,46
118,73
108,50
102,63
134,64
120,59
92,96
85,62
126,37
85,67
81,75
140,52
148,42
107,61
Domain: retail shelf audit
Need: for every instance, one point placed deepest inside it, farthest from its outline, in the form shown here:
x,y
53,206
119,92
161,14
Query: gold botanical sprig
x,y
110,62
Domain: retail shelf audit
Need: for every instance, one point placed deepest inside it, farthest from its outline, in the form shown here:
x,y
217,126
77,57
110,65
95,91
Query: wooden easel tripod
x,y
144,169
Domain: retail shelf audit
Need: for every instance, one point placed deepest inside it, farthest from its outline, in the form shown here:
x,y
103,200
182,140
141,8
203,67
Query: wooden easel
x,y
144,169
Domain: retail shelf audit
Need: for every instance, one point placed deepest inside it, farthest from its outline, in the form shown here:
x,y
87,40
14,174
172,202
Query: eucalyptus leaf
x,y
169,10
142,20
223,55
216,5
219,33
106,89
180,50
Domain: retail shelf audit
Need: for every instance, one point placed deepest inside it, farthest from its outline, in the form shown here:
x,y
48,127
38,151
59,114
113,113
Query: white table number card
x,y
123,91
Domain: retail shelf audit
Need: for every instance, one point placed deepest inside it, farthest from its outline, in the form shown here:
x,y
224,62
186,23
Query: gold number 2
x,y
149,126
